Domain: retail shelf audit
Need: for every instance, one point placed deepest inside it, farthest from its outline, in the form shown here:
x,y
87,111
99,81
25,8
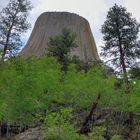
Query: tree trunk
x,y
7,133
6,43
85,127
122,61
125,76
0,128
8,35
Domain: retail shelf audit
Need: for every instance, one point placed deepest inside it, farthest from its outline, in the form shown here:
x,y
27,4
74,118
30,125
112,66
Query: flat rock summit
x,y
51,24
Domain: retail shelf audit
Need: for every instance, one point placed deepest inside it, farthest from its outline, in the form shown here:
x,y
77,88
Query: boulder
x,y
30,134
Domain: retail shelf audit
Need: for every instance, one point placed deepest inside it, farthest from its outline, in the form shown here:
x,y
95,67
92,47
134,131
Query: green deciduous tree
x,y
27,87
13,22
32,89
57,126
61,45
120,32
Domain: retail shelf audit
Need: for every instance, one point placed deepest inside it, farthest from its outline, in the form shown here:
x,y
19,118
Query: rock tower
x,y
51,24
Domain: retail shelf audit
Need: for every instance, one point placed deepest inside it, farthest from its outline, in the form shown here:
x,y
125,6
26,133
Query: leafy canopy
x,y
27,86
34,87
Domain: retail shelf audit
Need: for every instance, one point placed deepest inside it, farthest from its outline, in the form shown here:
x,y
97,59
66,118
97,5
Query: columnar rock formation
x,y
51,24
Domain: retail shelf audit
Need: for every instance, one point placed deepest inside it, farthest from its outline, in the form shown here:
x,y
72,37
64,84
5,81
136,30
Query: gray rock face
x,y
30,134
51,24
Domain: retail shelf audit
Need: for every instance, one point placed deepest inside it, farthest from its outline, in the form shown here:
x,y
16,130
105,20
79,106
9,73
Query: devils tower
x,y
51,24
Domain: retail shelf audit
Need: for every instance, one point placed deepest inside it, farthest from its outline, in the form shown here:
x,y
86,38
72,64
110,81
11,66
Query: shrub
x,y
58,126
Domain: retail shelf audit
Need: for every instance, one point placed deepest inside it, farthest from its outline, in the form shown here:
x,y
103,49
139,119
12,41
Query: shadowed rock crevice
x,y
51,24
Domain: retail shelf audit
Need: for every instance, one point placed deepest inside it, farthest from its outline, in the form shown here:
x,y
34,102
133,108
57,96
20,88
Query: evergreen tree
x,y
135,72
13,22
61,45
120,32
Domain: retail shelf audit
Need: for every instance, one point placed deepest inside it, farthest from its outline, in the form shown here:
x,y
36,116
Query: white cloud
x,y
94,11
133,6
3,4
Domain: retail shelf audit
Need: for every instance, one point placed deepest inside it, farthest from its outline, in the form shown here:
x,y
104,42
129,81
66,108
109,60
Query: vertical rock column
x,y
51,24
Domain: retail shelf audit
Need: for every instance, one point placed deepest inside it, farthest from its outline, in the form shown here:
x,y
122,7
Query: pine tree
x,y
135,72
61,45
120,32
13,22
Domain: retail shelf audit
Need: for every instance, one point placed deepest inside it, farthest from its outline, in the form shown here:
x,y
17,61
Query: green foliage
x,y
26,87
120,32
135,72
116,137
134,104
97,133
57,126
61,45
81,65
34,87
81,89
13,23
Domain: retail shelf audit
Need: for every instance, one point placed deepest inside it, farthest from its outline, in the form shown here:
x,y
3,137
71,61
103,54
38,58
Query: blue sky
x,y
94,11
